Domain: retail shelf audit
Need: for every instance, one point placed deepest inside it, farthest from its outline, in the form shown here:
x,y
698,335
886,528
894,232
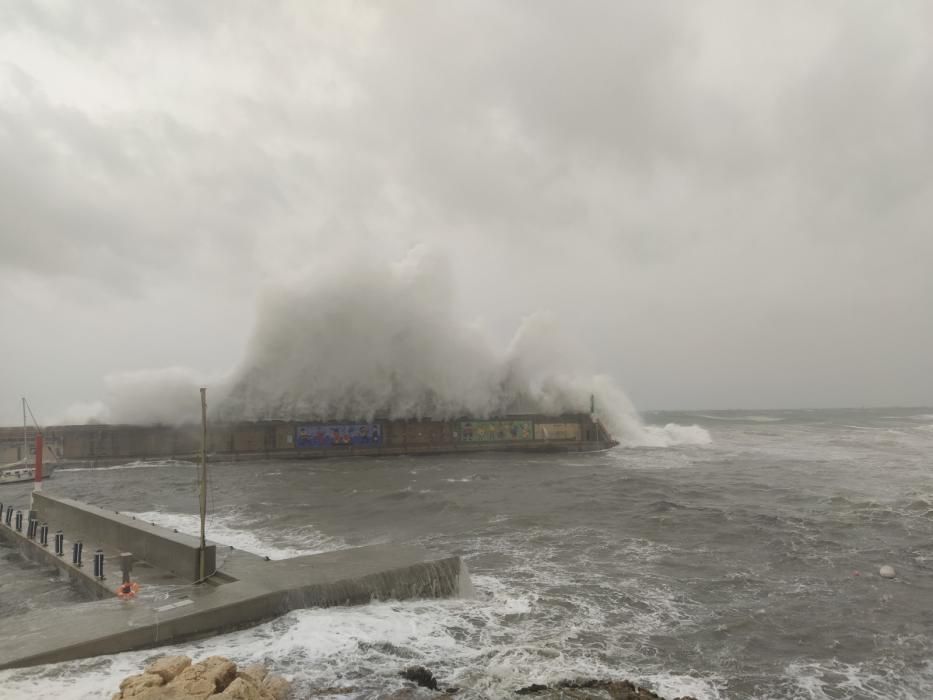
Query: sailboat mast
x,y
203,477
25,435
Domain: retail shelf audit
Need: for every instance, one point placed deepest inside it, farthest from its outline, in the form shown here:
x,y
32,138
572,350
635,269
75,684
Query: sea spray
x,y
369,339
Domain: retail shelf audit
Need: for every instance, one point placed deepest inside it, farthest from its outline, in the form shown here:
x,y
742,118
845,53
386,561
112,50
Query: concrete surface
x,y
173,552
247,590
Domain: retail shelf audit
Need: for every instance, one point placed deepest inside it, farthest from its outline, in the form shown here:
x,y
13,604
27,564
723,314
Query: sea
x,y
745,565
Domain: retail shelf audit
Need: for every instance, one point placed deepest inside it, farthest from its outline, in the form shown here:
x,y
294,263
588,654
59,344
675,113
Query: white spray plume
x,y
374,340
367,339
166,396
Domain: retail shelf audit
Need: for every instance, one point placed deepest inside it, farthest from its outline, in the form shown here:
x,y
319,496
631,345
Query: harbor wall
x,y
310,439
171,551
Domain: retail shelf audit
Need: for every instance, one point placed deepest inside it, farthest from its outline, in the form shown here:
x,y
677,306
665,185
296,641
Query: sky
x,y
725,204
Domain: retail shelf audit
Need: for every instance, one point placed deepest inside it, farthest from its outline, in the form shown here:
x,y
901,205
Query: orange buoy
x,y
128,590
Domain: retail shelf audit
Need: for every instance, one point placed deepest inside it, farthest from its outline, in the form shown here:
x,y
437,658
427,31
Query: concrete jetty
x,y
245,590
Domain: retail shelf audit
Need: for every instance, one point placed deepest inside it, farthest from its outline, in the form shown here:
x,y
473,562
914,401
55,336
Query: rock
x,y
193,688
135,685
240,689
169,666
887,571
276,687
592,689
408,693
256,671
421,676
531,689
214,677
215,671
332,690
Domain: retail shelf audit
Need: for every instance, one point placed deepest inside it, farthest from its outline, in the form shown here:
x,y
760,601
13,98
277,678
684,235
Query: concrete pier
x,y
246,590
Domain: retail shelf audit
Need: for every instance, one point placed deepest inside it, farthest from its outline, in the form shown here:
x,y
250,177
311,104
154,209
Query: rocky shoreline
x,y
217,678
177,678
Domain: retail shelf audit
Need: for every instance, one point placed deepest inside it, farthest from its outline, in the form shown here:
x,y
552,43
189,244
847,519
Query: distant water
x,y
725,570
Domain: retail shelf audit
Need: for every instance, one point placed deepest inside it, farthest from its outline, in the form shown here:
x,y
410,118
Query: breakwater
x,y
243,590
100,444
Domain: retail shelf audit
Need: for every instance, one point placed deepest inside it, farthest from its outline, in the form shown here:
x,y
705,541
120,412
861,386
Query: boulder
x,y
134,685
276,687
240,689
214,677
421,676
215,671
592,689
255,671
169,666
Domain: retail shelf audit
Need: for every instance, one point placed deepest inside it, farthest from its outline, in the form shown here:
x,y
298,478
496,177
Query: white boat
x,y
23,471
17,472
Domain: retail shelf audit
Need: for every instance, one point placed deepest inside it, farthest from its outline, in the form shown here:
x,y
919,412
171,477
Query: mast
x,y
203,477
25,435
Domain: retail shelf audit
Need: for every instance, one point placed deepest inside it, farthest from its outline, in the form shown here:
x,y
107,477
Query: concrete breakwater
x,y
578,432
244,590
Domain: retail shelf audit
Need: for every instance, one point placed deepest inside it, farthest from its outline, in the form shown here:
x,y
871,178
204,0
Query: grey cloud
x,y
704,194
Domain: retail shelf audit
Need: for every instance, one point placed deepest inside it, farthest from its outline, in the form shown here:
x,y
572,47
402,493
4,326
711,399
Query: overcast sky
x,y
729,203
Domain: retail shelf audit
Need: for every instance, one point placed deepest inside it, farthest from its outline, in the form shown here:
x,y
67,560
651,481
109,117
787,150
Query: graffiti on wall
x,y
557,431
338,435
494,430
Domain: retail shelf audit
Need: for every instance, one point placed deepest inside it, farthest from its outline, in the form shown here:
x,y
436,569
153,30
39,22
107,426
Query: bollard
x,y
99,564
60,543
44,534
19,521
9,515
76,551
32,528
126,565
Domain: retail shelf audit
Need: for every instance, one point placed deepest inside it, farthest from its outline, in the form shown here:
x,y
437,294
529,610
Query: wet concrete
x,y
246,590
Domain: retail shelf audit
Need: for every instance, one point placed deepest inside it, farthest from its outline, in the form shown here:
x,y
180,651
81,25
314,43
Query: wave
x,y
139,464
825,680
413,354
670,435
365,647
748,418
232,530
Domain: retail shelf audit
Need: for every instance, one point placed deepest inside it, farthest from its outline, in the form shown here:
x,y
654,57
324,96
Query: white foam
x,y
834,679
248,535
139,464
502,638
669,435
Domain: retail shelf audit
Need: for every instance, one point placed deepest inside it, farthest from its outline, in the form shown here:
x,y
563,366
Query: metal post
x,y
19,521
44,534
76,550
99,564
60,543
203,479
38,484
126,565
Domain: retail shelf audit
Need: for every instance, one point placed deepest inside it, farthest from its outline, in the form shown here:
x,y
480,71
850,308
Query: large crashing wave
x,y
372,340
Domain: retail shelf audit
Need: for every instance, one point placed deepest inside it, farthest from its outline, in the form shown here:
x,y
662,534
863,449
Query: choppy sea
x,y
742,568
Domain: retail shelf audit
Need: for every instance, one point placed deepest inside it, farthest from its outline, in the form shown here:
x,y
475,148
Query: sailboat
x,y
22,470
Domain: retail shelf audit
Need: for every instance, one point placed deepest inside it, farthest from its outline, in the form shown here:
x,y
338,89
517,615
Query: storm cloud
x,y
728,204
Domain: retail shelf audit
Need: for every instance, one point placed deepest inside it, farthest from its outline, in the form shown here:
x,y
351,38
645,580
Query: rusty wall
x,y
417,433
495,430
248,438
285,436
557,431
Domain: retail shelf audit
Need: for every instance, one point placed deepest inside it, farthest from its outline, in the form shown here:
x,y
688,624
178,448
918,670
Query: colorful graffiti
x,y
318,435
557,431
495,430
